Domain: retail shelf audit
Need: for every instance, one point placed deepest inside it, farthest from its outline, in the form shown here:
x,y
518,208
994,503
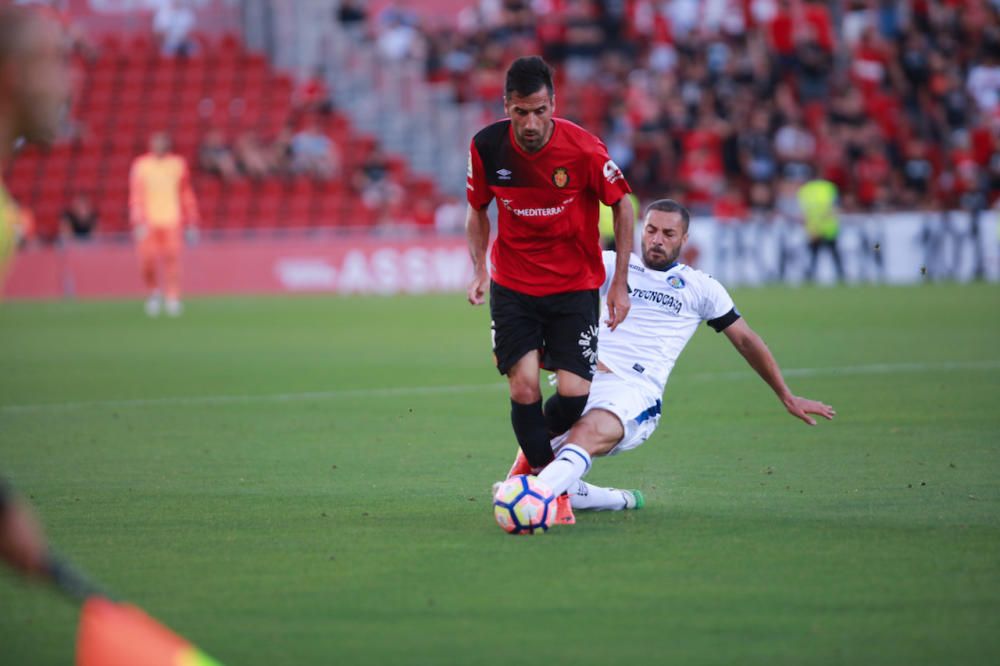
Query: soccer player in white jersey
x,y
669,300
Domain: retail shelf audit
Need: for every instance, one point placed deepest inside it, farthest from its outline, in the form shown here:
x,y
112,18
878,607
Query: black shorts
x,y
563,326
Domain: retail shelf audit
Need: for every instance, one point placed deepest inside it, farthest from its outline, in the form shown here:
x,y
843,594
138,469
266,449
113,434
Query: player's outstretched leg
x,y
571,463
588,497
597,433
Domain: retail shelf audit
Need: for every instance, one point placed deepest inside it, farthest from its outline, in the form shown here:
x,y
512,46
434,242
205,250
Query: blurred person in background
x,y
80,217
34,92
449,217
279,151
161,202
314,153
379,190
173,22
214,156
795,147
313,95
818,204
919,174
254,157
352,16
25,226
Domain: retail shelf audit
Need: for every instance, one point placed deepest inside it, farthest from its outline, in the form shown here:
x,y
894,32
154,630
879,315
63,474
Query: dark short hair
x,y
527,75
670,206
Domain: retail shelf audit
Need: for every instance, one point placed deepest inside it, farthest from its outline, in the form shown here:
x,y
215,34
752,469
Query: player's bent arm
x,y
752,348
624,224
477,233
617,297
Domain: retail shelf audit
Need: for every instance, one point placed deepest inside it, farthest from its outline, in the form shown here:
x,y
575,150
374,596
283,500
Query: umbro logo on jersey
x,y
504,174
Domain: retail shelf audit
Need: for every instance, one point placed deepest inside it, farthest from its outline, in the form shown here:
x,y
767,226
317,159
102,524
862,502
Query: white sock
x,y
570,465
588,497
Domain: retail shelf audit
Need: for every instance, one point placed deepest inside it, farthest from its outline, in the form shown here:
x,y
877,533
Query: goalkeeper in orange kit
x,y
161,202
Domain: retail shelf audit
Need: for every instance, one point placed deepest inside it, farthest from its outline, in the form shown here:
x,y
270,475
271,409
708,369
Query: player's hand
x,y
22,543
477,288
801,408
618,304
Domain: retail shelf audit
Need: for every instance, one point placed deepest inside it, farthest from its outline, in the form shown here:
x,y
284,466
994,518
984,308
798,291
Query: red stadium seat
x,y
268,209
298,213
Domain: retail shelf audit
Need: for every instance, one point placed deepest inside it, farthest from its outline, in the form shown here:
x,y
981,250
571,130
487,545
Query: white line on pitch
x,y
870,369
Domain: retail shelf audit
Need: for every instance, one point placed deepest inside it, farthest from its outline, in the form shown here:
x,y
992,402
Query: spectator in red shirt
x,y
871,173
702,177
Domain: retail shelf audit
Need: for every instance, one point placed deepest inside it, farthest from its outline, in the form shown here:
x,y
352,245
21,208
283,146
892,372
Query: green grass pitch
x,y
306,481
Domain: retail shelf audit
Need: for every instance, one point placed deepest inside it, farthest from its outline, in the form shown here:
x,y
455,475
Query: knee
x,y
594,436
524,389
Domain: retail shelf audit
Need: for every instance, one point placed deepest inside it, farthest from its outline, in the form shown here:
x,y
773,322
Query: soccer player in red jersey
x,y
548,176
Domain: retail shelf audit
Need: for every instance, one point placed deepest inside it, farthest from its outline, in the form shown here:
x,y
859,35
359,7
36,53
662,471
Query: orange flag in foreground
x,y
113,634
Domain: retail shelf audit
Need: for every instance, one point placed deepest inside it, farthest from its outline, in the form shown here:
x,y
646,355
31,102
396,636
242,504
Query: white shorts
x,y
636,406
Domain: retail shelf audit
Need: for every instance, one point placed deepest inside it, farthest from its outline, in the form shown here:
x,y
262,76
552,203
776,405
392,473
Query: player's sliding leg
x,y
526,410
564,409
596,434
588,497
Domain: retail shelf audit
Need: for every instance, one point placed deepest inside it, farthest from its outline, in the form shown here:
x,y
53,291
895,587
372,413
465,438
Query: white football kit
x,y
667,308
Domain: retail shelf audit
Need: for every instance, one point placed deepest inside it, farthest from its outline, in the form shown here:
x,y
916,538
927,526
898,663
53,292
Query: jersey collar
x,y
521,151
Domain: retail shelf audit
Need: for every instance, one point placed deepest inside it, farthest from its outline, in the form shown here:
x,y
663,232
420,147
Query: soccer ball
x,y
524,505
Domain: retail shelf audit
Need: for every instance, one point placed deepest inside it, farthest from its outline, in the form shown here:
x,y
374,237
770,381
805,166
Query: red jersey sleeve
x,y
477,192
606,178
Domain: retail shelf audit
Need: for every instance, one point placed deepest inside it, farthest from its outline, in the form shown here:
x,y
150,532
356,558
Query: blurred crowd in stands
x,y
731,104
727,105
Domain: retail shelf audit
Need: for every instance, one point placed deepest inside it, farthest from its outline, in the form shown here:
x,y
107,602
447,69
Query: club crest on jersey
x,y
560,177
676,281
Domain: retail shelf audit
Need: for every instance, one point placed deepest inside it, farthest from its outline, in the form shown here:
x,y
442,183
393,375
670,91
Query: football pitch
x,y
306,481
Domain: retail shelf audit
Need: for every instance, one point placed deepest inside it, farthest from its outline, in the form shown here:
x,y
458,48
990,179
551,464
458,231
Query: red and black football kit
x,y
546,263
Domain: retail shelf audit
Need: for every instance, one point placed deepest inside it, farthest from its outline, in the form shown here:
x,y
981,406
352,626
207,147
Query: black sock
x,y
562,411
531,433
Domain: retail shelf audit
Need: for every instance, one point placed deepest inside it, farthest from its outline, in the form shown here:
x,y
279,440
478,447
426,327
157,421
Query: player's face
x,y
663,238
531,118
159,144
41,81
